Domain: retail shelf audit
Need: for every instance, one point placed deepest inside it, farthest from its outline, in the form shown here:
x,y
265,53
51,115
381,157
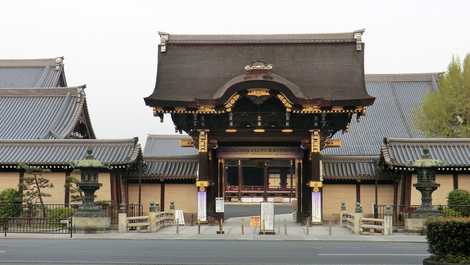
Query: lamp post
x,y
90,216
425,169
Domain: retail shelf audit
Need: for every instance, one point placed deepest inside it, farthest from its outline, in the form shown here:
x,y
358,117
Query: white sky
x,y
112,45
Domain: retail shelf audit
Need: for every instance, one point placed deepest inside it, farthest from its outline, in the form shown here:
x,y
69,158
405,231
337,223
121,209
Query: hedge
x,y
449,239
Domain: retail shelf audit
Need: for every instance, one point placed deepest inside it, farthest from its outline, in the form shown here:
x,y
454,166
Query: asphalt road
x,y
244,210
49,251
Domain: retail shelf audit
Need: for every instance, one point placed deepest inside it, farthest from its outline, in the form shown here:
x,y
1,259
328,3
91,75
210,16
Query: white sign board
x,y
316,207
219,204
179,217
201,206
267,217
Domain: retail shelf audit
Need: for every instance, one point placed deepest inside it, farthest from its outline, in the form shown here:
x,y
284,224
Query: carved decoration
x,y
315,185
186,142
258,92
258,66
180,109
206,109
315,141
157,110
337,109
333,143
286,102
203,139
231,102
311,109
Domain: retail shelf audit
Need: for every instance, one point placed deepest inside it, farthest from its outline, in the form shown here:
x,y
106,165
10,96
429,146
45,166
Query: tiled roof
x,y
455,152
391,115
32,73
350,167
167,146
326,67
171,168
260,38
44,113
65,151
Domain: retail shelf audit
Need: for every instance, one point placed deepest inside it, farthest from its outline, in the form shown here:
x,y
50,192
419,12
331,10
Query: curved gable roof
x,y
32,73
43,113
329,67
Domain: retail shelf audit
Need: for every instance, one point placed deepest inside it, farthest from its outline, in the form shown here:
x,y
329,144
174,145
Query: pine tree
x,y
35,186
446,111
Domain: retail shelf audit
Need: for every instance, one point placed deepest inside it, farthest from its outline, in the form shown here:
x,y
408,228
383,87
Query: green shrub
x,y
449,239
459,201
57,214
10,205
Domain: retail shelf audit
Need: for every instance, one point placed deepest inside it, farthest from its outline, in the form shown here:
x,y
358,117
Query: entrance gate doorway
x,y
260,173
257,180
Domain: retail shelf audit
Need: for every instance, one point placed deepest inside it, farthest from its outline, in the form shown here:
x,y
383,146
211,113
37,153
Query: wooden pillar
x,y
299,193
204,193
265,181
212,192
408,188
291,173
307,171
221,177
162,196
395,201
118,188
313,185
21,184
67,189
376,199
455,177
240,180
123,189
358,191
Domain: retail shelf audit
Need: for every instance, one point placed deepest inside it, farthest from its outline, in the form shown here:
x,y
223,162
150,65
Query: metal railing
x,y
51,218
36,225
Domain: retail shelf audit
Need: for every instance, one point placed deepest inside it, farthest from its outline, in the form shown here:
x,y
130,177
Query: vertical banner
x,y
201,206
219,204
316,207
267,217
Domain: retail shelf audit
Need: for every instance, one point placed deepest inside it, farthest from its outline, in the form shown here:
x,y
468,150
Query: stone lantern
x,y
89,216
425,169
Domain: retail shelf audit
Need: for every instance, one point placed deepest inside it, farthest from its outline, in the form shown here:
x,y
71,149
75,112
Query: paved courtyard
x,y
233,231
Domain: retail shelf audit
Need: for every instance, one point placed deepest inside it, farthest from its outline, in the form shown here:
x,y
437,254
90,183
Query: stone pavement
x,y
232,231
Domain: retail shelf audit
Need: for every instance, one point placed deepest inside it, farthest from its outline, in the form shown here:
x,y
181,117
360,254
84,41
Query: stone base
x,y
414,224
91,223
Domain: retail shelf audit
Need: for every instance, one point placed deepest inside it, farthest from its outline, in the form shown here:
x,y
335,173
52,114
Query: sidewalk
x,y
232,231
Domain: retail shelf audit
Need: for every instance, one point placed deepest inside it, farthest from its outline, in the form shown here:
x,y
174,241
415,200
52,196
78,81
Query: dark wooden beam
x,y
358,192
67,189
240,180
162,196
455,177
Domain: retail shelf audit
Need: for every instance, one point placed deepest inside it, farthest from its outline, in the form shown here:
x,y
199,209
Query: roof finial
x,y
357,34
164,37
58,63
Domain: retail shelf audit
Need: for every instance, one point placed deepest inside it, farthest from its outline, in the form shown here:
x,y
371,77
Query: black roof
x,y
32,73
65,151
396,97
44,113
399,153
351,168
327,67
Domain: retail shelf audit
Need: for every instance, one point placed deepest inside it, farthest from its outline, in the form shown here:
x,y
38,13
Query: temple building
x,y
283,118
293,118
45,123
